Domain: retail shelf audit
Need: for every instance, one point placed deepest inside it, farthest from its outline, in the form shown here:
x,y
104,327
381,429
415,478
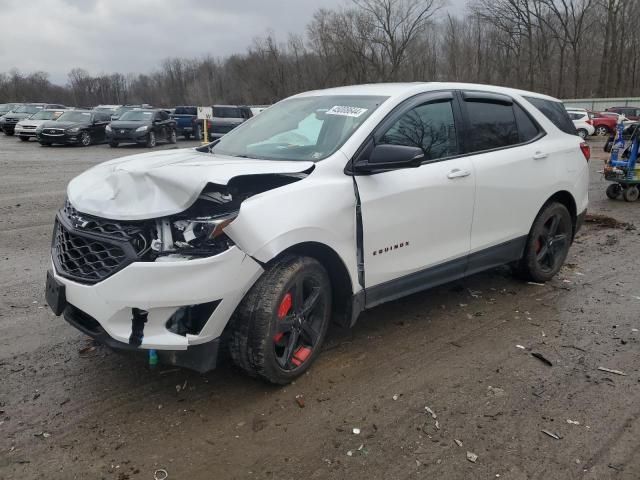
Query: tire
x,y
8,133
151,140
547,244
186,136
582,133
45,144
601,130
631,193
113,144
85,138
613,191
173,137
23,138
268,336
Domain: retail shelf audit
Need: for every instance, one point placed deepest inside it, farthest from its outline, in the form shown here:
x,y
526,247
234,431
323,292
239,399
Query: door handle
x,y
457,173
539,156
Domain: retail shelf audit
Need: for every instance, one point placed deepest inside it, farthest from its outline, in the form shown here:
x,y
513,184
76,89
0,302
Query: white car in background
x,y
26,129
323,205
582,121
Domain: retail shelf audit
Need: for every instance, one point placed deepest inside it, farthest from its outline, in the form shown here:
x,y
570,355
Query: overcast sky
x,y
104,36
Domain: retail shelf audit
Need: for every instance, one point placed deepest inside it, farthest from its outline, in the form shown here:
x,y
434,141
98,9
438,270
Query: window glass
x,y
492,125
430,127
555,112
186,111
527,128
163,115
227,112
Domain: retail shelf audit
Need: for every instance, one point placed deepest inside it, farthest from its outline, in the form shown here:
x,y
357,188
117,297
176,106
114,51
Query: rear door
x,y
513,169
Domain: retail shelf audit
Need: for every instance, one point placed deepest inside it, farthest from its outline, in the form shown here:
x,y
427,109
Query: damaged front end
x,y
168,283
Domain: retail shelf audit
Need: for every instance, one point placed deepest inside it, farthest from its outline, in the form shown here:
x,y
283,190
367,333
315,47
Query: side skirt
x,y
491,257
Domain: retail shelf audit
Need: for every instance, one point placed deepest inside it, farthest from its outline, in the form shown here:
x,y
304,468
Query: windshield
x,y
75,117
307,128
7,107
45,115
136,116
105,109
28,109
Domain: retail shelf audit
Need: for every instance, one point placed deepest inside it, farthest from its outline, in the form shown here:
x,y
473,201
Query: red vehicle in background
x,y
604,122
632,113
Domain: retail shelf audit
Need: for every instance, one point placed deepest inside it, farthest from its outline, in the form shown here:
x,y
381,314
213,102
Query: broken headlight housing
x,y
195,237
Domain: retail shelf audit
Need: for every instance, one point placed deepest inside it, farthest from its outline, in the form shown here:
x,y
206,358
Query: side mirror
x,y
390,157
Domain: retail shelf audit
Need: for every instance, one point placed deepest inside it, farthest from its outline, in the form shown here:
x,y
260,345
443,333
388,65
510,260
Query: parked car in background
x,y
7,107
145,127
631,113
9,121
187,124
226,118
582,122
26,129
604,122
107,108
125,108
234,247
75,127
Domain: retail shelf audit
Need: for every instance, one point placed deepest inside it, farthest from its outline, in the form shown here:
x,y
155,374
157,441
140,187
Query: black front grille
x,y
84,258
53,131
89,249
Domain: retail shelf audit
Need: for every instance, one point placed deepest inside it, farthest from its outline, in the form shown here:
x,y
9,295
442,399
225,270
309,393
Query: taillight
x,y
586,150
590,122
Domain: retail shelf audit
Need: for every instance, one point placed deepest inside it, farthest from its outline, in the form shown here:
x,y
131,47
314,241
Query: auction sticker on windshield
x,y
346,111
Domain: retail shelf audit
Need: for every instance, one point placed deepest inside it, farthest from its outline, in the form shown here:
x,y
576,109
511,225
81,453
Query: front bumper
x,y
127,137
25,132
161,288
9,128
65,138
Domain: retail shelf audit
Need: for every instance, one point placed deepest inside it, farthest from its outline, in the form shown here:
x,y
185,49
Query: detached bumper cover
x,y
161,288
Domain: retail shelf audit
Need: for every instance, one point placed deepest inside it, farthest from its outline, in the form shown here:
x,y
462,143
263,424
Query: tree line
x,y
565,48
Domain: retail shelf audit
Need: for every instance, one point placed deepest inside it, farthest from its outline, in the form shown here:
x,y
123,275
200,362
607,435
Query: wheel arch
x,y
341,284
565,198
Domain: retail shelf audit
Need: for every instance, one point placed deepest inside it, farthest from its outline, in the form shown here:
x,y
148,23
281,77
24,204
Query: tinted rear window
x,y
227,112
493,125
555,112
186,111
527,128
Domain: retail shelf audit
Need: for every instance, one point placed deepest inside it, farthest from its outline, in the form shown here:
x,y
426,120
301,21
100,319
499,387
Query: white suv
x,y
582,121
327,203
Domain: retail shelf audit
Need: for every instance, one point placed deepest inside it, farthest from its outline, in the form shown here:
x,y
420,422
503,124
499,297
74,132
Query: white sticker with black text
x,y
346,111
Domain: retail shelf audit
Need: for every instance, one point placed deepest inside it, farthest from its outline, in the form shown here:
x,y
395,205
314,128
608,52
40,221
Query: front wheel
x,y
613,191
23,138
151,140
85,139
602,130
278,328
547,244
8,133
113,144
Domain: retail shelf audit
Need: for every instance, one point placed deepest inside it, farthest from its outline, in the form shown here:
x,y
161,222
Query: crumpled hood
x,y
157,184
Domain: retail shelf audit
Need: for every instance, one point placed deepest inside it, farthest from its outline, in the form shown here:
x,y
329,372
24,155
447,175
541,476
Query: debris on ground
x,y
300,400
542,358
573,422
42,434
431,412
521,347
536,283
458,442
472,457
396,396
356,431
607,222
160,474
495,391
551,434
609,370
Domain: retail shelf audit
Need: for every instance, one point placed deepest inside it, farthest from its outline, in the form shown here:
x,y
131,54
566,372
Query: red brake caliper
x,y
300,356
283,311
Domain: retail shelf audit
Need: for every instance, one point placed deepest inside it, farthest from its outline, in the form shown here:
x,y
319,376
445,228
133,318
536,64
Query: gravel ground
x,y
70,412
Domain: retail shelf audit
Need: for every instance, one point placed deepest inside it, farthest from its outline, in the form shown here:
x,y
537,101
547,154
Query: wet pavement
x,y
71,410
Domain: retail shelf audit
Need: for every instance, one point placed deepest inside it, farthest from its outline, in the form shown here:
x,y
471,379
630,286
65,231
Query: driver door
x,y
417,221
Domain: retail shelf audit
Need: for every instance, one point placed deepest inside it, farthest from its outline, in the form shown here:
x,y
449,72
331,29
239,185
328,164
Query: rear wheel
x,y
613,191
631,193
23,138
278,329
548,244
602,130
583,133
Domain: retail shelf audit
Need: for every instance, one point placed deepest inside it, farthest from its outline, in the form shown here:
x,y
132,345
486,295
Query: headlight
x,y
108,128
142,129
201,236
72,130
